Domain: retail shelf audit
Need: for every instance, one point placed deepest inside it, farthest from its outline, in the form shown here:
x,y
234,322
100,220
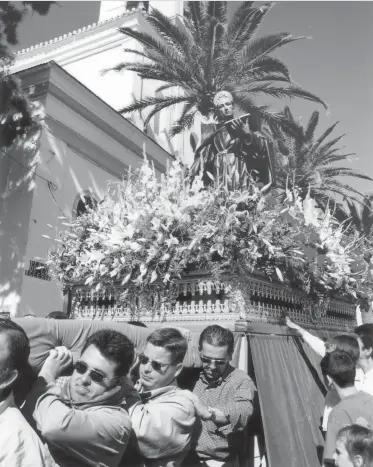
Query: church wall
x,y
71,175
64,116
17,192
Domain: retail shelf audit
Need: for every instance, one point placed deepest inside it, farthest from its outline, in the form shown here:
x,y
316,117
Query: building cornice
x,y
51,80
78,44
86,148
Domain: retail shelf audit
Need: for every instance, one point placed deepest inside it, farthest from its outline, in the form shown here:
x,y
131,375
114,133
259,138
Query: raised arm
x,y
316,344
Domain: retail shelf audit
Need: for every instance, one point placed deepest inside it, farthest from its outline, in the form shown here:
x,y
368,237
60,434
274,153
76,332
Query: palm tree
x,y
358,215
205,53
302,159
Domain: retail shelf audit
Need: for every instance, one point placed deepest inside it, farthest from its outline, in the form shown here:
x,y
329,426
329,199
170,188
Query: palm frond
x,y
245,23
334,184
324,136
312,125
265,45
152,101
291,91
218,10
164,103
331,143
176,36
196,16
186,119
262,66
345,171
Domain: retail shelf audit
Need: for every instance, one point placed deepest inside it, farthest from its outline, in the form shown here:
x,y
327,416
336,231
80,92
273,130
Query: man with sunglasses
x,y
227,394
164,418
85,423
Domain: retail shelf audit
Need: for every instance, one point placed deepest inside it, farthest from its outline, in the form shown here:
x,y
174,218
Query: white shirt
x,y
20,446
367,385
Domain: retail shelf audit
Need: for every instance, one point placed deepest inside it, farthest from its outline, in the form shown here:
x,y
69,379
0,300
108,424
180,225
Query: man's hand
x,y
58,361
201,410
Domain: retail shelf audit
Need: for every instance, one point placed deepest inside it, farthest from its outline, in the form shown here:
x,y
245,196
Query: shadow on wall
x,y
17,171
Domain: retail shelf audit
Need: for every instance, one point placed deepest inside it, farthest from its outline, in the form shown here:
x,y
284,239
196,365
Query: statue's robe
x,y
232,159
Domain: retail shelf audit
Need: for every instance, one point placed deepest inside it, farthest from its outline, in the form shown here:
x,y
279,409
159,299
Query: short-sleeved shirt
x,y
233,394
357,408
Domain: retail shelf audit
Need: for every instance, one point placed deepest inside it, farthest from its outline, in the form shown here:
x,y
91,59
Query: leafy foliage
x,y
307,161
148,230
205,53
17,113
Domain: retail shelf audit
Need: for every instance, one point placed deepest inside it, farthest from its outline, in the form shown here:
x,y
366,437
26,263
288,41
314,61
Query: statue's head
x,y
223,103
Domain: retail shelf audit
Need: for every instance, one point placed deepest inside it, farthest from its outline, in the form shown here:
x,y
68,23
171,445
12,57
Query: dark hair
x,y
18,346
340,367
346,343
172,340
217,336
114,346
358,441
137,323
365,333
57,315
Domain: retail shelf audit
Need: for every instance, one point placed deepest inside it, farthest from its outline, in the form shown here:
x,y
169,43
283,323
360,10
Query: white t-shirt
x,y
367,385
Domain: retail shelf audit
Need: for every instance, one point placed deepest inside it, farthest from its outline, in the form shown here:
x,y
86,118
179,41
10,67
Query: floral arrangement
x,y
150,229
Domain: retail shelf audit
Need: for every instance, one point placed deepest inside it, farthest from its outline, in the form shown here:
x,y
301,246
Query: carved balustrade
x,y
197,297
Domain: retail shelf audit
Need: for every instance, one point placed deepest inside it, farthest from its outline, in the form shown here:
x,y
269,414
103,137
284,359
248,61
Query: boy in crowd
x,y
338,369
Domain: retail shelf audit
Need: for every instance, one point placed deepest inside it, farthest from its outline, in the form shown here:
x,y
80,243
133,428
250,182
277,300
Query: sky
x,y
336,64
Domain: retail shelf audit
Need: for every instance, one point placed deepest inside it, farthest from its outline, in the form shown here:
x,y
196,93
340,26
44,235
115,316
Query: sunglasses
x,y
82,368
210,361
143,359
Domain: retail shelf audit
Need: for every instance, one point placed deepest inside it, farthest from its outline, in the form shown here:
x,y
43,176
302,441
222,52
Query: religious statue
x,y
233,153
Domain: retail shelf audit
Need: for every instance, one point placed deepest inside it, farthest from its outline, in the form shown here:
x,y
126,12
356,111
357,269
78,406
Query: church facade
x,y
84,143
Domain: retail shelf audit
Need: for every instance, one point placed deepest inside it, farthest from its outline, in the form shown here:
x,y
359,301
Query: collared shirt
x,y
367,385
233,394
94,435
20,446
163,424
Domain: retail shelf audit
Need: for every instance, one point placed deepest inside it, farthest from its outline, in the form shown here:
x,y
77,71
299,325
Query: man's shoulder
x,y
112,416
15,428
240,377
350,404
358,398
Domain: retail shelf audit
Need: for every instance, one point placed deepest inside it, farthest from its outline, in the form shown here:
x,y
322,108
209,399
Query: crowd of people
x,y
115,407
120,408
347,368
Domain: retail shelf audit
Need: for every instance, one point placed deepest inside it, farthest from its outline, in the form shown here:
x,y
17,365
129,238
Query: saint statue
x,y
232,153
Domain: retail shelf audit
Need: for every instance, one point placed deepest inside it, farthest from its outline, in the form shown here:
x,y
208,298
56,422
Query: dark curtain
x,y
291,396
